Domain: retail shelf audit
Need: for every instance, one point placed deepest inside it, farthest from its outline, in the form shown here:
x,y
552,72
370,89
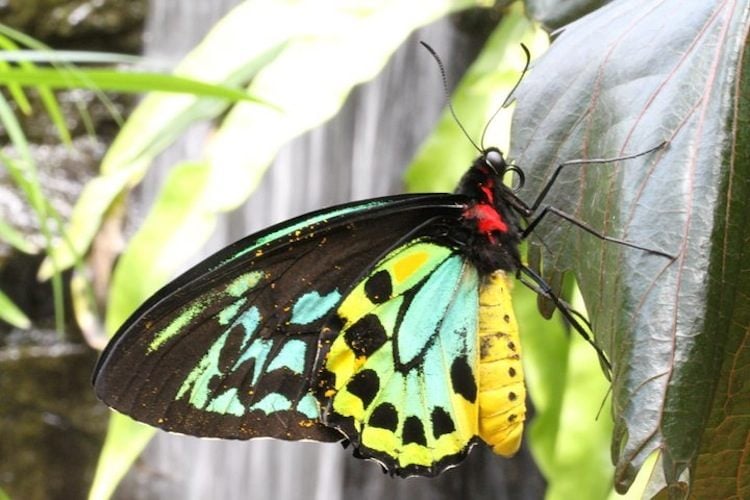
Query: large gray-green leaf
x,y
554,13
621,80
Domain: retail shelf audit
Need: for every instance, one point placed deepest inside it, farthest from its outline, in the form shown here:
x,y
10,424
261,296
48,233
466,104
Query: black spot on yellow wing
x,y
442,423
385,416
334,323
414,431
365,385
366,336
378,288
462,379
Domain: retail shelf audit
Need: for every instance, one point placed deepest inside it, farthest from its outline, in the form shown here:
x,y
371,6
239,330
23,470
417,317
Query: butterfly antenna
x,y
448,95
510,94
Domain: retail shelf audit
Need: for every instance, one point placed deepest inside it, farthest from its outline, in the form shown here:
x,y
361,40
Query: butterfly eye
x,y
494,159
518,177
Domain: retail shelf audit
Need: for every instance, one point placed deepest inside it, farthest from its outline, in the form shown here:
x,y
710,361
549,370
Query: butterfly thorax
x,y
492,227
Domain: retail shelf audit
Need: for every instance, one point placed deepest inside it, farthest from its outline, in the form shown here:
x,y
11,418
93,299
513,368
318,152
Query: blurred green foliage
x,y
26,64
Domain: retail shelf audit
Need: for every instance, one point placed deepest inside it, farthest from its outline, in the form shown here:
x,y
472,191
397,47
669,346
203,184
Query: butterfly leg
x,y
592,161
576,320
532,211
550,209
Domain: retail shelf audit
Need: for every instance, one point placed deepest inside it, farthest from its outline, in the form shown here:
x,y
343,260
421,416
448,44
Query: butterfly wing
x,y
228,349
400,375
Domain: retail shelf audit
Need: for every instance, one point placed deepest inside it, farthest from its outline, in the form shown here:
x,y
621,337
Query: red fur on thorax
x,y
488,220
484,212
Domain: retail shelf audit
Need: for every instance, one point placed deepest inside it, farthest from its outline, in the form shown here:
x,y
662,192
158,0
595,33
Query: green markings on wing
x,y
401,380
197,384
239,323
244,283
307,224
193,310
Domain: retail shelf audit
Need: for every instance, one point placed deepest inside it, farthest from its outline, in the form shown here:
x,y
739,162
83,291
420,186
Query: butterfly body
x,y
386,323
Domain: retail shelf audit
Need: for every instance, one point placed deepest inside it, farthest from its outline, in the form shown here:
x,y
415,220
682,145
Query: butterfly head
x,y
494,160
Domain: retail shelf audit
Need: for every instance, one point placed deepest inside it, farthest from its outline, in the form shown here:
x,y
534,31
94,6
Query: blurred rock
x,y
109,25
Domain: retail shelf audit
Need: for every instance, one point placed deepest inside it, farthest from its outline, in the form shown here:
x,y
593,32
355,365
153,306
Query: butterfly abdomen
x,y
501,391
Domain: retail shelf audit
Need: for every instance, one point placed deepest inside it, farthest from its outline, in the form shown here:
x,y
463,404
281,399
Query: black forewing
x,y
227,349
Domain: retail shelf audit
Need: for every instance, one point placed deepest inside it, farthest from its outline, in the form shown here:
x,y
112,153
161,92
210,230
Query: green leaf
x,y
335,48
618,81
15,90
165,240
16,239
154,125
10,313
62,61
23,173
125,440
721,466
117,80
68,57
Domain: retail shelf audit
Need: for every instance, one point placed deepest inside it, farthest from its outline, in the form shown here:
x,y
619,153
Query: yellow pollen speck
x,y
406,266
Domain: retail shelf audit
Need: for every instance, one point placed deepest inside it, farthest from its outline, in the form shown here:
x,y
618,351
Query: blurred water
x,y
360,153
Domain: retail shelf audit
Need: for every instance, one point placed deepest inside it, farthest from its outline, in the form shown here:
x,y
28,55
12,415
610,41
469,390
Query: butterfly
x,y
385,323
